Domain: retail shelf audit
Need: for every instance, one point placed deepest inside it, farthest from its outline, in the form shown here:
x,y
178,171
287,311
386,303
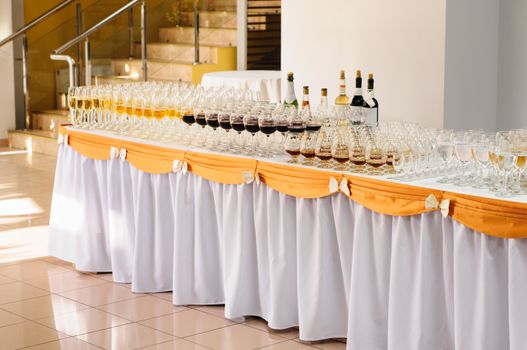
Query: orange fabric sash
x,y
489,216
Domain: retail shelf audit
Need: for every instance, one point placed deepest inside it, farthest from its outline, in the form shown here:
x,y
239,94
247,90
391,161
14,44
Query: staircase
x,y
170,58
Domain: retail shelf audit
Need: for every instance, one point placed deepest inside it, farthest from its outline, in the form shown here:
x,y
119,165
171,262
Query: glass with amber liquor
x,y
375,157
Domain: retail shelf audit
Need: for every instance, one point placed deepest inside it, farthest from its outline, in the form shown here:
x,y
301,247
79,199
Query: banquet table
x,y
384,263
264,82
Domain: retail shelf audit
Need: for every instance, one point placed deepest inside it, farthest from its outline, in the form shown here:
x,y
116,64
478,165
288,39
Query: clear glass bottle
x,y
342,99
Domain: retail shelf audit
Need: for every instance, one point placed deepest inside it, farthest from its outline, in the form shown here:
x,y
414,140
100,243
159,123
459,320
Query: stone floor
x,y
46,304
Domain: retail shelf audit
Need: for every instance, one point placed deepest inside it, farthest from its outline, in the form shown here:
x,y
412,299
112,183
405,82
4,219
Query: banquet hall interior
x,y
263,174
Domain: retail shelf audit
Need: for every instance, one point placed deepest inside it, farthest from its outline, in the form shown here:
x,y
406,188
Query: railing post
x,y
196,31
78,9
25,82
131,32
71,65
87,63
144,66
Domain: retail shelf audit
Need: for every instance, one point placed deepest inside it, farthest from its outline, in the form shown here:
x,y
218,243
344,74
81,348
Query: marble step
x,y
109,79
38,141
157,69
212,19
220,5
207,36
49,120
179,52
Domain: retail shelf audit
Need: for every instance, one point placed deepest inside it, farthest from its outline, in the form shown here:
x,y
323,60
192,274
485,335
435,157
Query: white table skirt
x,y
264,82
329,265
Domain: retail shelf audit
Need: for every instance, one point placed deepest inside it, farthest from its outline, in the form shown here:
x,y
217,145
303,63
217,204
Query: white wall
x,y
512,94
471,64
402,42
7,88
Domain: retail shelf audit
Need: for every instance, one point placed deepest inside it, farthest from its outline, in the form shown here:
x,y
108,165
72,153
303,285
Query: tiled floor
x,y
46,304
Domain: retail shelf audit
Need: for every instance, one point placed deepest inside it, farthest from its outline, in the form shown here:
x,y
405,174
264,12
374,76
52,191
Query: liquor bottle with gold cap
x,y
342,99
290,97
370,105
323,98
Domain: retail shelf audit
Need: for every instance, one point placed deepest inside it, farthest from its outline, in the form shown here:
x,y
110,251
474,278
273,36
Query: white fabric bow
x,y
334,186
62,139
114,152
431,202
122,154
250,177
178,166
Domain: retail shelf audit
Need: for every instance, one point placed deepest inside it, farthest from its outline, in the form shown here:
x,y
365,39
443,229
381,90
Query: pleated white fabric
x,y
329,266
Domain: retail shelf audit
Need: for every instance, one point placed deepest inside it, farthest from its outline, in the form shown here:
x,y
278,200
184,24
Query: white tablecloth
x,y
328,265
264,82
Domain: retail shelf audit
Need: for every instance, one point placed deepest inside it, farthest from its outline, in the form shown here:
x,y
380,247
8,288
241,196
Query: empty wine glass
x,y
506,162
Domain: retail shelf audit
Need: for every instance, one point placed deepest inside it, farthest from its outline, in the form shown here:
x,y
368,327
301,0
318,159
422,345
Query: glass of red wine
x,y
236,119
211,119
224,119
267,124
199,116
250,121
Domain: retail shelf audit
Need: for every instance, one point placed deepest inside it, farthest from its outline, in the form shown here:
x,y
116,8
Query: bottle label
x,y
369,99
370,116
358,92
342,87
357,114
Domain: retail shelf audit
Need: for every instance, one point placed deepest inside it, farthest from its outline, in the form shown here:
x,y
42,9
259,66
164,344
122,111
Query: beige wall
x,y
512,91
401,42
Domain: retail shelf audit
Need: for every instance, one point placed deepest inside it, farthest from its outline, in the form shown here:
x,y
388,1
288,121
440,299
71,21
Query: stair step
x,y
212,19
220,5
157,69
207,36
179,52
49,120
114,79
38,141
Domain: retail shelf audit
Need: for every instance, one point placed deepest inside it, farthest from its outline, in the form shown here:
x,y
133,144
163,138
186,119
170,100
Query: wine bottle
x,y
290,97
305,98
357,101
371,105
342,99
305,112
324,98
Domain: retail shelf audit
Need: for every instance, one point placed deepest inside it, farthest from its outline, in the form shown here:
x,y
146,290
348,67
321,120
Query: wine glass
x,y
308,146
482,156
73,98
251,124
224,118
292,145
375,156
238,126
211,118
357,153
506,163
267,124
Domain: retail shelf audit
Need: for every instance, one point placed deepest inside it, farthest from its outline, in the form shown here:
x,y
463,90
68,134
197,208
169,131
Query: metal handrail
x,y
36,21
58,53
196,32
96,27
25,70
